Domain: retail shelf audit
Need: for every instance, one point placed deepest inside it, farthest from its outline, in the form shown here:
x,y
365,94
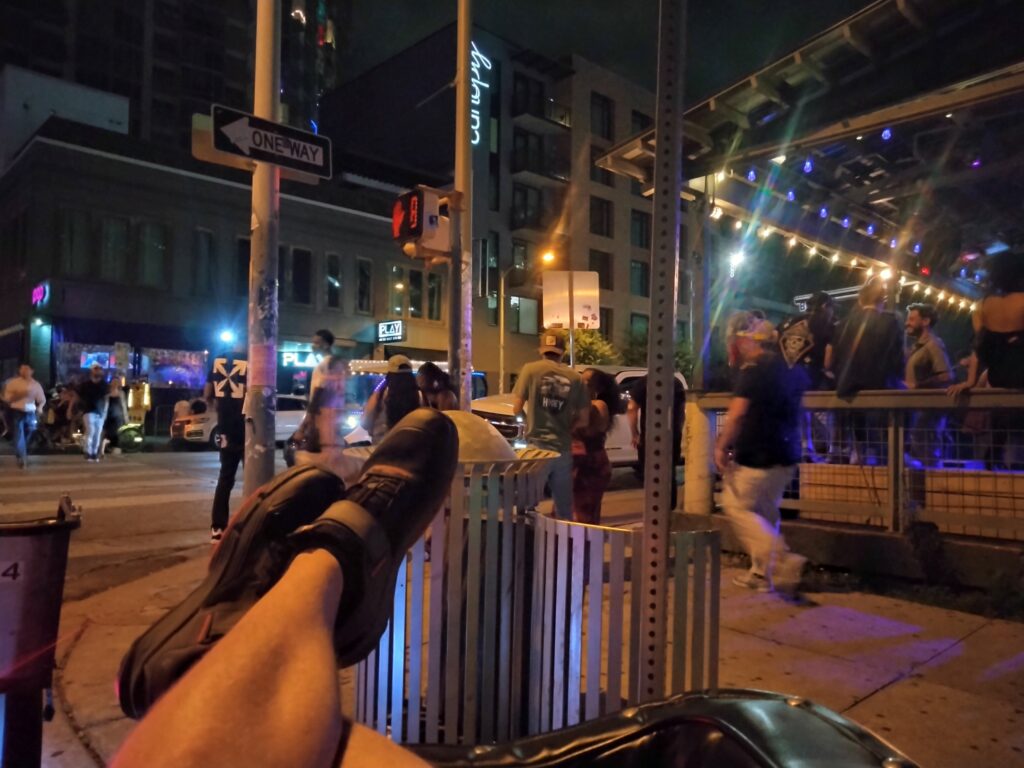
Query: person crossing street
x,y
24,398
225,388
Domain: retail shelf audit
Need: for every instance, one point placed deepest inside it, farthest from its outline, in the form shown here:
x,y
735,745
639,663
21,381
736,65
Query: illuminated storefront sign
x,y
479,65
40,294
300,359
390,330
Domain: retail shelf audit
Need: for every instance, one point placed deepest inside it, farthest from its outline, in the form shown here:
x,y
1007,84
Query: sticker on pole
x,y
240,133
10,571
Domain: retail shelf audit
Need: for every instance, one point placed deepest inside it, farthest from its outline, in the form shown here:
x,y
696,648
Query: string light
x,y
812,250
716,213
792,242
942,295
720,176
927,291
764,232
917,287
885,274
871,271
853,262
835,257
973,307
738,224
962,303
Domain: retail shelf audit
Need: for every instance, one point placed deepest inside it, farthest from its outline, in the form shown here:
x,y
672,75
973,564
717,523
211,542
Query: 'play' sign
x,y
249,136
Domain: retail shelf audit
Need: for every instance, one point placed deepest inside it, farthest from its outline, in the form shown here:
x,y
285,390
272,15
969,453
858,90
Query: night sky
x,y
734,37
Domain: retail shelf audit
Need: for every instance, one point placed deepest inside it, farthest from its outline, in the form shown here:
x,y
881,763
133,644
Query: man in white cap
x,y
555,402
757,450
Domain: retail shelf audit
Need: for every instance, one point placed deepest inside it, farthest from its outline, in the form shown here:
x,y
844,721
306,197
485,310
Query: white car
x,y
201,428
497,409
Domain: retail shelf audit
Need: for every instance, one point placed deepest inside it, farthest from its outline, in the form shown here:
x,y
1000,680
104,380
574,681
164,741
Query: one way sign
x,y
240,133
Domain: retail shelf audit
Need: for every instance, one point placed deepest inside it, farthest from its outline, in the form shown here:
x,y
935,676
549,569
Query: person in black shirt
x,y
634,415
225,387
756,452
93,397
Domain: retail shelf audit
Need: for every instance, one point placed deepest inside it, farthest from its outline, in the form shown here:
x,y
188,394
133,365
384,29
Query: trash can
x,y
33,561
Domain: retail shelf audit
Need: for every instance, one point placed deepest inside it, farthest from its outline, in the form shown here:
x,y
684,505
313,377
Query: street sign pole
x,y
261,393
658,416
460,317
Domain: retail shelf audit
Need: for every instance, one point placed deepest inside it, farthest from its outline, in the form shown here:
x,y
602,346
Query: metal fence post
x,y
895,465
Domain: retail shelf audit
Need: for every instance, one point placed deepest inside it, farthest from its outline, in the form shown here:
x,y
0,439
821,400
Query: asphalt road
x,y
140,512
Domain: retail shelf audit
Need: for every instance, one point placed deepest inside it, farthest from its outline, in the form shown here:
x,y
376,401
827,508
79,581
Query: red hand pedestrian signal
x,y
397,219
406,219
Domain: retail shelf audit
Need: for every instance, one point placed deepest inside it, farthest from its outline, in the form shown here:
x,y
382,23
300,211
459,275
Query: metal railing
x,y
506,622
887,459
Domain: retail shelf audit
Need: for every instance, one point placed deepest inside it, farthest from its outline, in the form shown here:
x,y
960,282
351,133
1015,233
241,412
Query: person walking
x,y
591,469
24,398
93,397
225,388
928,367
437,389
555,401
396,397
756,452
635,417
116,414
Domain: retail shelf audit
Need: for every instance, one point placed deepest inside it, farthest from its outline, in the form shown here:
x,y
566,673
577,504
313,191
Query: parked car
x,y
497,409
200,428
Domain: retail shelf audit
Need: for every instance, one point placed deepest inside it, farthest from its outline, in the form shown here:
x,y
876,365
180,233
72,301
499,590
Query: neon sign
x,y
40,294
477,64
300,359
390,330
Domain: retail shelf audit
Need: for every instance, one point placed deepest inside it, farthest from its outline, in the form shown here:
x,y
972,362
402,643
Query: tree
x,y
635,353
591,348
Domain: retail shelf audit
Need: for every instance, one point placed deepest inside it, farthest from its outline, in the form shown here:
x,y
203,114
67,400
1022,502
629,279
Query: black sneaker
x,y
247,562
403,484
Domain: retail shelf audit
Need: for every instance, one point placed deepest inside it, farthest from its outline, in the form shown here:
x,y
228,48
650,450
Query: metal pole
x,y
462,351
699,430
455,293
572,323
501,331
261,392
660,358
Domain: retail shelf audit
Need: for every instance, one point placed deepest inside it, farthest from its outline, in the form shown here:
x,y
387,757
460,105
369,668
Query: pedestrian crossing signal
x,y
407,216
420,223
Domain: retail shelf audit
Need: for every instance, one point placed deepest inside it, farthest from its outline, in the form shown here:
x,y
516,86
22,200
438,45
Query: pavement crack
x,y
58,687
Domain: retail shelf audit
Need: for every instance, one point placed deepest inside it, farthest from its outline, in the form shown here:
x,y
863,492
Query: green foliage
x,y
591,348
635,353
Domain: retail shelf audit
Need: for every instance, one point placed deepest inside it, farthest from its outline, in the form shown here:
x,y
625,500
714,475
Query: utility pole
x,y
658,416
261,393
460,295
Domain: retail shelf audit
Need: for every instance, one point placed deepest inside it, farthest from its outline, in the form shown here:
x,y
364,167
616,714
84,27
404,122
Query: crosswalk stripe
x,y
49,505
45,476
112,488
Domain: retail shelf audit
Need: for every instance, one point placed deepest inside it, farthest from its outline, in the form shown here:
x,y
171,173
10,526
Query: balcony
x,y
541,115
541,168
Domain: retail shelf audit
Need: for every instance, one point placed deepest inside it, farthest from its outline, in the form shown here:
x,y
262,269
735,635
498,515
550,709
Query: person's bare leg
x,y
267,694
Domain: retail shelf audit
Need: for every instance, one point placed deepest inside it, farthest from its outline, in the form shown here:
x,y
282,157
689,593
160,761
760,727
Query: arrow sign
x,y
240,133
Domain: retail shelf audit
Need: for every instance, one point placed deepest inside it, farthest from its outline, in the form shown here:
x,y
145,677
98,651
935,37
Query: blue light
x,y
963,272
316,128
870,230
892,243
886,134
846,222
751,175
823,213
917,247
791,195
808,165
227,336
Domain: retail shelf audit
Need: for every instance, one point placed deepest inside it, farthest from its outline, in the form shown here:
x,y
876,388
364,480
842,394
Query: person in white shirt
x,y
24,397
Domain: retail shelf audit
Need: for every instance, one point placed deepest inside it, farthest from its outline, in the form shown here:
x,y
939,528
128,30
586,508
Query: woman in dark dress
x,y
591,470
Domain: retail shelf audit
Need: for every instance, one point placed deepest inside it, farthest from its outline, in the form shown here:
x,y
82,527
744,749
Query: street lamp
x,y
547,258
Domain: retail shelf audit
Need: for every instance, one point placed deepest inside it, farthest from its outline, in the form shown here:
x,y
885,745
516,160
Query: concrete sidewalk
x,y
947,688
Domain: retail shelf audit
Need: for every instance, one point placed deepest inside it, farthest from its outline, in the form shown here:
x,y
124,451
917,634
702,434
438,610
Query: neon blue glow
x,y
808,165
871,230
316,128
917,247
892,243
823,213
751,175
886,134
791,195
227,336
846,222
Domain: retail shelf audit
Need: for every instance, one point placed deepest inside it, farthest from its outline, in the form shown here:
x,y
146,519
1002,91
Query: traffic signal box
x,y
419,221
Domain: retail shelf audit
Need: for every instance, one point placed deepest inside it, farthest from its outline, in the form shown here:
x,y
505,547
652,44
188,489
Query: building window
x,y
494,175
600,175
302,276
333,281
415,293
152,254
204,262
639,278
527,95
396,291
114,249
364,286
640,229
523,315
602,116
601,262
524,254
526,210
435,295
638,325
282,273
601,217
242,253
75,243
606,322
639,122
